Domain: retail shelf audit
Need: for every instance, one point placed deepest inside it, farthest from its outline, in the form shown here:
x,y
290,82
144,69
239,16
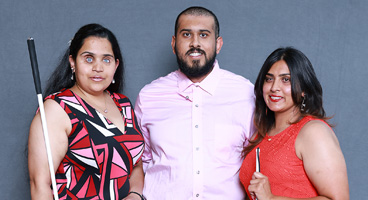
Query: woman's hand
x,y
260,187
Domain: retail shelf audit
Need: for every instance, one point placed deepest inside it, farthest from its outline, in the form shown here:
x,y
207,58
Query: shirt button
x,y
197,148
196,126
198,172
197,195
196,105
187,97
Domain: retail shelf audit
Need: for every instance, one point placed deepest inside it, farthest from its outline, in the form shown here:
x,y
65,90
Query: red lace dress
x,y
278,161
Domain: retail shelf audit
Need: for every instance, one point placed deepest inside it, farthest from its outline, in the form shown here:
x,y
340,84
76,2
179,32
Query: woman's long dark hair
x,y
303,80
60,78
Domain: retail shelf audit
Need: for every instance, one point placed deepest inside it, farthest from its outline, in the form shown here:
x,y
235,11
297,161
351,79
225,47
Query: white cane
x,y
258,163
37,82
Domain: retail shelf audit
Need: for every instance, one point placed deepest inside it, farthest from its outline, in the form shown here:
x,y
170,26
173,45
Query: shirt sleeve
x,y
251,126
147,155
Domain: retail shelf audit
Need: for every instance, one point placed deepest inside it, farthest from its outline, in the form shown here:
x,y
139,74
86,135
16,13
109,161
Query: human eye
x,y
286,79
186,34
106,60
89,59
203,35
268,79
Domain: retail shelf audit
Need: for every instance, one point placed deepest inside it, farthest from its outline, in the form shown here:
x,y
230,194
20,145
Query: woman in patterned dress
x,y
95,142
300,156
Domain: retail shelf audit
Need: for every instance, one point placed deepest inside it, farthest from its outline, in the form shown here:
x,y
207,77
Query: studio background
x,y
332,33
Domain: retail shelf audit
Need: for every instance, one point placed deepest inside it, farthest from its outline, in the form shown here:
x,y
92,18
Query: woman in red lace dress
x,y
300,156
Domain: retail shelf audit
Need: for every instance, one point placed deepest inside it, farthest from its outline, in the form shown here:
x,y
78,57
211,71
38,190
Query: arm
x,y
147,155
323,162
59,126
136,182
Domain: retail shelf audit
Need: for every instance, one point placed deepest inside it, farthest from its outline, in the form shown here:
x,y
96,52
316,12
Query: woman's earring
x,y
113,81
302,107
72,77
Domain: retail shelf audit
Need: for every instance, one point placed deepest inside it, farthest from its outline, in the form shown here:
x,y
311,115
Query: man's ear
x,y
173,40
219,43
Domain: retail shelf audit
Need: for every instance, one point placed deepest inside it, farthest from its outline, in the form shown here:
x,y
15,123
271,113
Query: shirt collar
x,y
208,84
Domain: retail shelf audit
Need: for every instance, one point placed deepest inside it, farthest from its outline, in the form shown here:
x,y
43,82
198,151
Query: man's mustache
x,y
195,50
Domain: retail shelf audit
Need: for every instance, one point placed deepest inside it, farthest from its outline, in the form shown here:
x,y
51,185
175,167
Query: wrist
x,y
136,193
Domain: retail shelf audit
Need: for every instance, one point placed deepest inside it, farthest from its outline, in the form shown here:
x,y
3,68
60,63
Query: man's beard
x,y
196,70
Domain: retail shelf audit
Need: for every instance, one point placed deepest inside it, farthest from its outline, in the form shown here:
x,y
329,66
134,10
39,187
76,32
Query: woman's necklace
x,y
104,110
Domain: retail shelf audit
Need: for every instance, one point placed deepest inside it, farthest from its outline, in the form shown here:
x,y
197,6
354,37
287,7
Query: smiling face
x,y
95,65
196,46
277,89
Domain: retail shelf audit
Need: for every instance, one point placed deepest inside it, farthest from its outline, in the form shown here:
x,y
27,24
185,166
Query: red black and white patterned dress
x,y
100,158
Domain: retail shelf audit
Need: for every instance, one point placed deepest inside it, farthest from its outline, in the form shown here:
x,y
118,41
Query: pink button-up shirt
x,y
194,134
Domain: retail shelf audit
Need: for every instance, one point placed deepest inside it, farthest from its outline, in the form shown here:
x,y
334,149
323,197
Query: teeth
x,y
195,54
275,98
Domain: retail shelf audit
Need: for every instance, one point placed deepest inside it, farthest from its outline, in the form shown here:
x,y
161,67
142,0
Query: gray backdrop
x,y
332,33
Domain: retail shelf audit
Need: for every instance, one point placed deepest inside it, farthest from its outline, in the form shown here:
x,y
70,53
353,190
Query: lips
x,y
195,52
97,78
275,98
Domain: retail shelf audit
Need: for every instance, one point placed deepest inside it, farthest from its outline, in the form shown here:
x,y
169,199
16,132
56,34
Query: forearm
x,y
288,198
137,178
260,188
40,191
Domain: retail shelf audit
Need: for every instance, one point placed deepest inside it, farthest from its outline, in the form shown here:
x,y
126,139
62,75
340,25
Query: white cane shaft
x,y
258,167
47,144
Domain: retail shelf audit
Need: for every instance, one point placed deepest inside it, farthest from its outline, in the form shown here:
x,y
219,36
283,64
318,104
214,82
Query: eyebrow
x,y
189,30
87,52
286,74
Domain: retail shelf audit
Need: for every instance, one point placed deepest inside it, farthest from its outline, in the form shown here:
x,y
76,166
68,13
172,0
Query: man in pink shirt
x,y
195,120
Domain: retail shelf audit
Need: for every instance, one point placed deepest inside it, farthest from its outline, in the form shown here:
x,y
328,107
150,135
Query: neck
x,y
97,101
86,94
283,120
198,79
201,78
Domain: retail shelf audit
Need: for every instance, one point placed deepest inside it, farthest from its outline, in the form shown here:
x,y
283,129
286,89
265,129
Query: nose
x,y
195,41
98,67
275,86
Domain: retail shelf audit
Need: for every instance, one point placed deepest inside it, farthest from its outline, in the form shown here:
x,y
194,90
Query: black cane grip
x,y
34,64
